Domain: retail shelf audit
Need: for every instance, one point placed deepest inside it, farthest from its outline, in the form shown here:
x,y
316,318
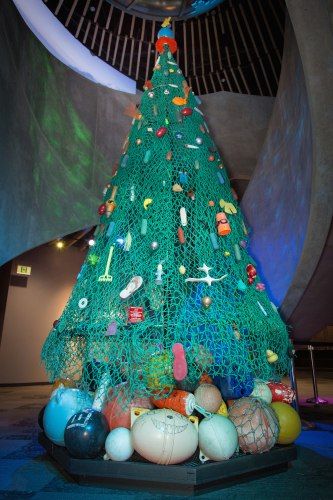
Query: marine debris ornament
x,y
207,279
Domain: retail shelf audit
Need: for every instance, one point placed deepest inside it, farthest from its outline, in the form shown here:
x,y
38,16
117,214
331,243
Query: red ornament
x,y
135,314
250,280
250,268
160,132
186,111
211,158
165,40
102,209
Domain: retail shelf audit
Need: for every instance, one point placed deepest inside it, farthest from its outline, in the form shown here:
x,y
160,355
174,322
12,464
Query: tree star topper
x,y
207,279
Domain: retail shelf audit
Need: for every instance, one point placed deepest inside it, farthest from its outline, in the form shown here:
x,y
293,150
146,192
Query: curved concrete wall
x,y
296,237
277,200
60,135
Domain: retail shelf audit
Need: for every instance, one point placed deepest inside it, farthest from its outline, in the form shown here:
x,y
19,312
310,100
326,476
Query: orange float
x,y
165,40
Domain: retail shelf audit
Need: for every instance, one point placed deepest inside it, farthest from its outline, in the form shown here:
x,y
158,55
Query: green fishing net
x,y
169,264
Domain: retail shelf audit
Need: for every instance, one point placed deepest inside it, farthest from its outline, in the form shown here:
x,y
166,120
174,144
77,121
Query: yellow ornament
x,y
289,422
147,202
223,410
226,254
271,356
179,101
228,208
182,269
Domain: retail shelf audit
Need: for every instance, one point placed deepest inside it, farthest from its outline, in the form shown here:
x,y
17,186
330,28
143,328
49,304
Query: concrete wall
x,y
60,135
277,200
31,311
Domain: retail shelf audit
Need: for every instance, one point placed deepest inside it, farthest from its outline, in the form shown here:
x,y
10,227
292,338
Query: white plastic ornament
x,y
218,438
118,445
164,437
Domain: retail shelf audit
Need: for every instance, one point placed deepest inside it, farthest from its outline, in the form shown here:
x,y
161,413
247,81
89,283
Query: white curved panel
x,y
65,47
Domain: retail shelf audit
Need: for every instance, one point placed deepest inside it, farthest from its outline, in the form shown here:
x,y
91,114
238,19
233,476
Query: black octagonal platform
x,y
187,478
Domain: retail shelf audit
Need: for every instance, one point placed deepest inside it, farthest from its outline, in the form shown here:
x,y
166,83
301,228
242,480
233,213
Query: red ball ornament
x,y
250,269
186,111
160,132
211,158
252,273
102,209
165,40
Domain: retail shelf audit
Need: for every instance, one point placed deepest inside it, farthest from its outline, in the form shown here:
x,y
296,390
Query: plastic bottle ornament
x,y
154,245
118,445
164,437
199,140
256,424
85,433
102,209
208,397
218,438
206,302
222,224
186,111
160,132
63,404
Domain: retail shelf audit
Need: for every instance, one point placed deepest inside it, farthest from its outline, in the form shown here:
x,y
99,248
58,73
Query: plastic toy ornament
x,y
102,209
164,437
118,445
218,438
63,404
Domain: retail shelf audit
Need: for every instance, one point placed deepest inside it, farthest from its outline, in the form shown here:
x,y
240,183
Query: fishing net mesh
x,y
225,326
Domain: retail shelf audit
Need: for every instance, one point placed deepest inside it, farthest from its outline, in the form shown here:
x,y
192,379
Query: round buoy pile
x,y
172,427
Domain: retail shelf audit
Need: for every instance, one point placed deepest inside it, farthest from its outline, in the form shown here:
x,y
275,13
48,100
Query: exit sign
x,y
26,270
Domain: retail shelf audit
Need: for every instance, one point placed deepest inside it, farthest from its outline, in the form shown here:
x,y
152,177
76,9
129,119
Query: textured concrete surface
x,y
277,200
60,135
312,24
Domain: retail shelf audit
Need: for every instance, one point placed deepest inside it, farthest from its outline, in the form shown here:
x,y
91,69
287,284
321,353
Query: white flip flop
x,y
132,287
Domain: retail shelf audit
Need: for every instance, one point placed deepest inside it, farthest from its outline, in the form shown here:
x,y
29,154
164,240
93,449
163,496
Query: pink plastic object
x,y
179,363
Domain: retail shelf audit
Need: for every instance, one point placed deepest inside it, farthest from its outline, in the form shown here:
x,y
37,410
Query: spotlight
x,y
60,244
91,242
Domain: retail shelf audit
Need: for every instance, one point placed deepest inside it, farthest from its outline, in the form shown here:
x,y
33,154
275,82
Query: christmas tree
x,y
168,292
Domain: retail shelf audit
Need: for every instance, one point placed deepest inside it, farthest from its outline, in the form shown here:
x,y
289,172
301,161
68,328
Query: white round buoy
x,y
118,444
164,437
218,438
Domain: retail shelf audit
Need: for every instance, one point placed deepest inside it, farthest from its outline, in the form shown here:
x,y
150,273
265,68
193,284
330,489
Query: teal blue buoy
x,y
165,32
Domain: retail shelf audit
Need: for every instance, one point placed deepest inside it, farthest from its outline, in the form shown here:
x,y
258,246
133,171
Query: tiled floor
x,y
27,472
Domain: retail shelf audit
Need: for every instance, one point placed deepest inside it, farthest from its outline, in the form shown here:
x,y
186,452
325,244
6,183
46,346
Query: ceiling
x,y
159,9
237,46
